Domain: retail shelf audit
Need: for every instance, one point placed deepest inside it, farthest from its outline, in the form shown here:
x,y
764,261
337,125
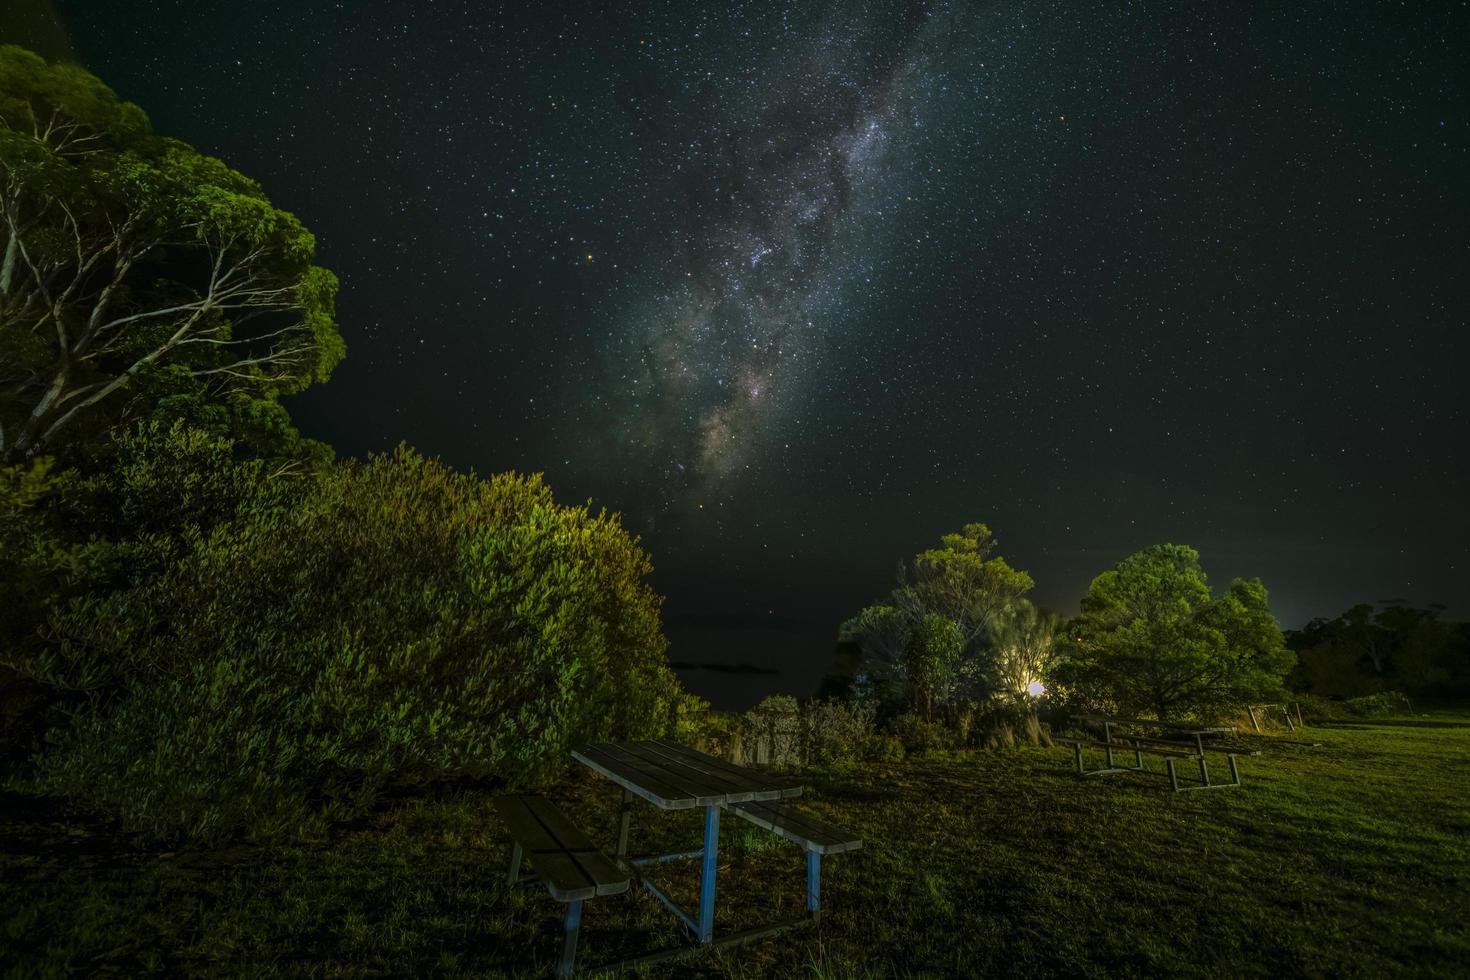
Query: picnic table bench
x,y
816,836
1171,750
564,860
675,777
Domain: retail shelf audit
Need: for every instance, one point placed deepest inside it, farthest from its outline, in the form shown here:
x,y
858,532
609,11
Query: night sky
x,y
797,288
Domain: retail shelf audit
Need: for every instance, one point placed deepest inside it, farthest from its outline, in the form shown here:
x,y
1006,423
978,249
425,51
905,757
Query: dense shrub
x,y
375,624
918,735
829,733
838,733
1315,708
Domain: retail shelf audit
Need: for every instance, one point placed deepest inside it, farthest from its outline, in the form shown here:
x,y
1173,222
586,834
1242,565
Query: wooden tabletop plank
x,y
692,782
766,783
650,786
736,786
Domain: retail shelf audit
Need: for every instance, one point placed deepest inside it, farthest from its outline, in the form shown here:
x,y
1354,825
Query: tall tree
x,y
1021,639
962,580
1152,637
964,583
137,270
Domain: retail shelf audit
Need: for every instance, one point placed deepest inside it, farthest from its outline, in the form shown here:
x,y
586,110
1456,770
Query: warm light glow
x,y
1036,689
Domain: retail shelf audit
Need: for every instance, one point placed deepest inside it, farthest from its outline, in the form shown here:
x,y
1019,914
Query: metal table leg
x,y
707,874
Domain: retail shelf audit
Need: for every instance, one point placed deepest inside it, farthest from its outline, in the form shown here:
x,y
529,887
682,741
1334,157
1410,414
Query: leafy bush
x,y
838,733
1380,705
917,735
883,748
371,625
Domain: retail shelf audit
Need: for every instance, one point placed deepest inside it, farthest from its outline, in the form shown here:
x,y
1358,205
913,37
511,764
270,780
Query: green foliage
x,y
339,632
1152,638
839,734
141,278
771,732
1364,651
918,734
962,582
1383,705
931,660
1020,641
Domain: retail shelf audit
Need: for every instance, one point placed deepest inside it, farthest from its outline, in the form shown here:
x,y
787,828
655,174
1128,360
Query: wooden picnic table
x,y
675,777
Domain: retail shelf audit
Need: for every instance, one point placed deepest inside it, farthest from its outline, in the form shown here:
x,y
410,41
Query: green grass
x,y
1348,859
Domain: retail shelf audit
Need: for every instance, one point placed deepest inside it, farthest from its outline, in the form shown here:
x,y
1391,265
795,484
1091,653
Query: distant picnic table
x,y
1170,747
1184,728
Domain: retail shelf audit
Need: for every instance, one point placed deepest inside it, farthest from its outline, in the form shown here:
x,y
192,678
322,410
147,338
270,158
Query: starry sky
x,y
798,287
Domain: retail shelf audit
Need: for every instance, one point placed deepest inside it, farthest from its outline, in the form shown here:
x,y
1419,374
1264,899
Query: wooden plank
x,y
568,837
692,785
698,779
650,787
1142,739
738,786
780,785
802,828
561,875
603,874
567,862
522,823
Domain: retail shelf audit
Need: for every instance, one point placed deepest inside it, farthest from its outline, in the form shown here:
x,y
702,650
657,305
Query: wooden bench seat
x,y
562,859
802,828
816,837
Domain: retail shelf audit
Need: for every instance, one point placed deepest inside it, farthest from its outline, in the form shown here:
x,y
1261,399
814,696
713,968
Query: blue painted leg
x,y
707,874
814,884
572,926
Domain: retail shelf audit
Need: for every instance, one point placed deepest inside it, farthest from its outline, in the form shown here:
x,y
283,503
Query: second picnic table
x,y
675,777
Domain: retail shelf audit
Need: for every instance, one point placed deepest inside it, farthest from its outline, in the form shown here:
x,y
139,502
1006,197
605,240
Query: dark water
x,y
782,660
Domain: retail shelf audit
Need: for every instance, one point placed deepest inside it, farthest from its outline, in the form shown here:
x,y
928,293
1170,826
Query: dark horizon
x,y
797,294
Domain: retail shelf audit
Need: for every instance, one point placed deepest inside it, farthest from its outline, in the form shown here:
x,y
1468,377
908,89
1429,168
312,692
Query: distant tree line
x,y
1391,647
957,640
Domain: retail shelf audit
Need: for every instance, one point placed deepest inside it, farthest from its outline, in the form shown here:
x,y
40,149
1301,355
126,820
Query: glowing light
x,y
1036,689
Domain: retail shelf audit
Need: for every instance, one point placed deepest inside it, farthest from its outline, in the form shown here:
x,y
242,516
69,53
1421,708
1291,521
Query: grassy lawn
x,y
1347,859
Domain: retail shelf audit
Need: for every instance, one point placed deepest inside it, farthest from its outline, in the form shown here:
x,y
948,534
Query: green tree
x,y
931,661
303,639
141,276
963,582
1152,637
1021,640
1366,651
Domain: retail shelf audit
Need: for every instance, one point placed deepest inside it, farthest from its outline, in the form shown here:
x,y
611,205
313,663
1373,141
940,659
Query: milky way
x,y
768,166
